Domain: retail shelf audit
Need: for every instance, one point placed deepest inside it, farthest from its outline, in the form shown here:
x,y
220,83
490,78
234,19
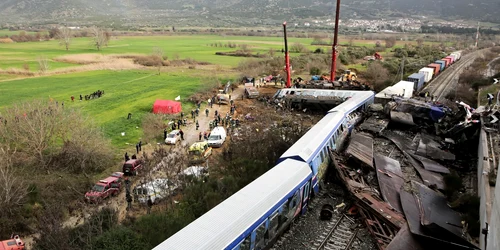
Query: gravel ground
x,y
307,229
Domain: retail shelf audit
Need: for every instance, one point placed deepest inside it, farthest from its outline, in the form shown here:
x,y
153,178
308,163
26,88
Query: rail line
x,y
339,236
441,84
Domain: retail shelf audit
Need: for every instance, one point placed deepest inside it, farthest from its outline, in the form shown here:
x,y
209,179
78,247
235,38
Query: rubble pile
x,y
398,166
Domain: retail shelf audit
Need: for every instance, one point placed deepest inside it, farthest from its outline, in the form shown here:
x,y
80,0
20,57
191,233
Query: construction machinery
x,y
348,76
377,56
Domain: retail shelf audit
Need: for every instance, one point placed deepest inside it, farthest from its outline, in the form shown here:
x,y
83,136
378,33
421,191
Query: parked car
x,y
217,137
199,152
132,167
173,137
157,189
193,173
251,92
103,189
14,243
118,175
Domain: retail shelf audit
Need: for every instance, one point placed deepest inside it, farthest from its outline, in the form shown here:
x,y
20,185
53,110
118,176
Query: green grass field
x,y
196,47
125,91
128,90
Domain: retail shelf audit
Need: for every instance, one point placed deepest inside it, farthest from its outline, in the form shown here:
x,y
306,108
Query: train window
x,y
244,245
283,215
306,191
273,224
294,203
259,236
322,156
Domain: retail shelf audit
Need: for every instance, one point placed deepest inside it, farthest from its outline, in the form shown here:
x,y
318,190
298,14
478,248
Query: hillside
x,y
234,12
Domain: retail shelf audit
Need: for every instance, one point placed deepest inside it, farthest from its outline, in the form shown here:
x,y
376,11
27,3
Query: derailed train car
x,y
254,217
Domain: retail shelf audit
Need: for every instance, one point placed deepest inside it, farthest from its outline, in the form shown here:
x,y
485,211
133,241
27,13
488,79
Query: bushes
x,y
148,61
119,238
298,48
314,71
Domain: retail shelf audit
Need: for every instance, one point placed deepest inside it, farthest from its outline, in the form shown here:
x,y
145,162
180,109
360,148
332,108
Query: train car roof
x,y
357,98
309,144
229,220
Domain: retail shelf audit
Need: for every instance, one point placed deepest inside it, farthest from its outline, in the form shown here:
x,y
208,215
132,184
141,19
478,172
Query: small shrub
x,y
314,71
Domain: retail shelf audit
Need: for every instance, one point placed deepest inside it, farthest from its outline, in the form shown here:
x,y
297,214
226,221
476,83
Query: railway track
x,y
339,236
441,85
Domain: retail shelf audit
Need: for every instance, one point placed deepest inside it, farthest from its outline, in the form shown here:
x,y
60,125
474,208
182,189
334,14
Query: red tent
x,y
166,107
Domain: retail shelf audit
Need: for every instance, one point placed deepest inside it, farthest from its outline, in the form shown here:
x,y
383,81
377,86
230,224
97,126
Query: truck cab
x,y
199,152
103,189
132,167
15,243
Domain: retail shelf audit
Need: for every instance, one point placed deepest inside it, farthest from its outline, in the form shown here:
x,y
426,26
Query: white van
x,y
217,137
158,189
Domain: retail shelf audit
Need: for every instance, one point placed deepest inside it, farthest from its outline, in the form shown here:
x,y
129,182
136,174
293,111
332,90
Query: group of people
x,y
94,95
128,198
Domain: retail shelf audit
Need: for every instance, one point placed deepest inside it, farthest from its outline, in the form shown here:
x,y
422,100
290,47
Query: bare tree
x,y
152,125
377,75
420,42
64,35
12,189
158,56
390,42
100,37
43,64
51,137
271,52
31,128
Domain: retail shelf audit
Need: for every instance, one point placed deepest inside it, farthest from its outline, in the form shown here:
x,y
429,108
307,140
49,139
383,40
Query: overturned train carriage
x,y
329,133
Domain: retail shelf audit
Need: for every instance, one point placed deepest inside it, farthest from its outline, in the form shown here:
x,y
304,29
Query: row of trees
x,y
100,37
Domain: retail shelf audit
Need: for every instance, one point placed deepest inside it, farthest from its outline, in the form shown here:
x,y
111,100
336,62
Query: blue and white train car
x,y
353,106
252,218
329,133
312,148
357,101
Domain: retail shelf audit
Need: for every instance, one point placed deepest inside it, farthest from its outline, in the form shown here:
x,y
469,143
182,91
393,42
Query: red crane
x,y
334,46
287,60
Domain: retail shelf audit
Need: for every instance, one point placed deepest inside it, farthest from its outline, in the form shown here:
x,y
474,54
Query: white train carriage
x,y
357,101
312,148
329,133
253,217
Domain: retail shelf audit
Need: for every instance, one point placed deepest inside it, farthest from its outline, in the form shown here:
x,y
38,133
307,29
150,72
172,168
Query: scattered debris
x,y
374,124
430,164
402,117
361,148
390,179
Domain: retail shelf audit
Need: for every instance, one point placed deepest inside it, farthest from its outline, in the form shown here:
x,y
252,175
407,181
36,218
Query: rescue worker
x,y
206,112
182,134
129,201
197,125
490,99
127,185
150,204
